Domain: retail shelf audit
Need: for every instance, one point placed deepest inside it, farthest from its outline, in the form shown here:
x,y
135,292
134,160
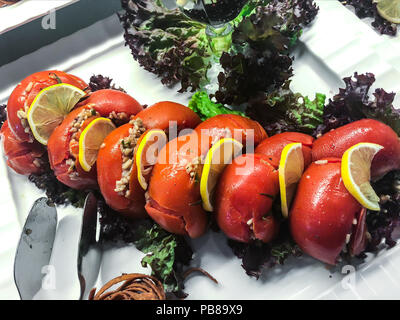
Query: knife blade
x,y
89,251
34,248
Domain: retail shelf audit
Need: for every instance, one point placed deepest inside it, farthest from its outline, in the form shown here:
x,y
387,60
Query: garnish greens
x,y
167,43
161,248
367,9
206,108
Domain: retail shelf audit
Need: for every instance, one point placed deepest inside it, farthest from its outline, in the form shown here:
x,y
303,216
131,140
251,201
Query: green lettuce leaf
x,y
205,108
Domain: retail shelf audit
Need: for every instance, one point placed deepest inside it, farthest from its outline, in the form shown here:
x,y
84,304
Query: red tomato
x,y
109,162
164,114
109,171
26,91
23,157
244,198
323,211
61,149
273,146
230,125
107,101
174,200
336,142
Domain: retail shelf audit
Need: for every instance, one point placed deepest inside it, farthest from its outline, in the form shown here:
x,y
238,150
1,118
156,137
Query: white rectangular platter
x,y
330,50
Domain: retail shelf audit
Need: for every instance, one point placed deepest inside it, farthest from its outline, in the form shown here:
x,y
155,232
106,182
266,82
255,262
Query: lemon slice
x,y
147,153
218,157
291,168
91,139
50,107
389,10
356,173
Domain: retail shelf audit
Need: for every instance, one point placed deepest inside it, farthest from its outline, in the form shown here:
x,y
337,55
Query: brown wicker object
x,y
135,286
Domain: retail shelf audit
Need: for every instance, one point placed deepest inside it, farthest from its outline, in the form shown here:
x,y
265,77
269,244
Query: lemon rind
x,y
85,166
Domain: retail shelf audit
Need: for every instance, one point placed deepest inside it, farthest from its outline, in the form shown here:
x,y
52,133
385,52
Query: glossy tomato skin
x,y
59,151
230,125
336,142
161,114
21,156
106,101
244,197
26,91
323,211
109,171
273,146
174,200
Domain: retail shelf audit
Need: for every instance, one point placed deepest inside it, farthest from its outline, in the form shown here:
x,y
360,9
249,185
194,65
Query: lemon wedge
x,y
50,107
218,157
389,10
147,152
291,168
91,139
356,173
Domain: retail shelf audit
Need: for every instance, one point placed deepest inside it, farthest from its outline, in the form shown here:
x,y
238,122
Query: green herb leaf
x,y
161,249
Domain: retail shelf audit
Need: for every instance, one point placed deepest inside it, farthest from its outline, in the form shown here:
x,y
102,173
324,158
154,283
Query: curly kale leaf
x,y
246,76
167,43
353,103
57,192
382,224
284,110
257,256
274,25
205,108
100,82
259,60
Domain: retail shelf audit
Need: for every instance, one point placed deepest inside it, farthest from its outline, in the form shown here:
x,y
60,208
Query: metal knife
x,y
89,252
34,248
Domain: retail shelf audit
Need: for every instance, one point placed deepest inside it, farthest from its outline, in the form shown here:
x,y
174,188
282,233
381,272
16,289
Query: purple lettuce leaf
x,y
367,9
261,45
353,103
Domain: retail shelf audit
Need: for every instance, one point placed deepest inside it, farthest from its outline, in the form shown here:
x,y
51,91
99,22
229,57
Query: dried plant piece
x,y
200,270
133,286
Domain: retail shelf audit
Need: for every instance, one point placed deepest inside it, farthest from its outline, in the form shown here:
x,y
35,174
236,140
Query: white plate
x,y
330,51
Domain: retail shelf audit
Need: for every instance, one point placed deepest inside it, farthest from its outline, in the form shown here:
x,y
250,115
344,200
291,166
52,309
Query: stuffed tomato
x,y
63,149
23,95
247,131
116,161
174,200
336,142
244,198
273,146
325,218
113,104
23,157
